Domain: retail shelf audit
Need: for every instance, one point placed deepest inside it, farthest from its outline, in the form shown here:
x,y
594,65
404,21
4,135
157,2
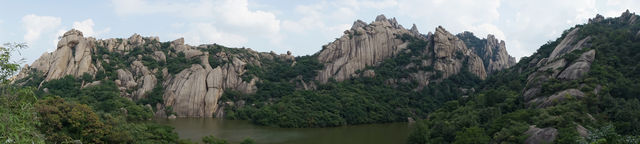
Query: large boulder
x,y
72,57
580,67
540,136
556,98
569,44
194,92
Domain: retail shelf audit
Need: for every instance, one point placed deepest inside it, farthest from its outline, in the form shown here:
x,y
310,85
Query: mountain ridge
x,y
193,89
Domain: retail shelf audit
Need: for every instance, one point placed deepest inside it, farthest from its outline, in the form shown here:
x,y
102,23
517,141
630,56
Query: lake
x,y
235,131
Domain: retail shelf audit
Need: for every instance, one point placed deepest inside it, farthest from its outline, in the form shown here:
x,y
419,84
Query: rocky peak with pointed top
x,y
628,17
596,19
362,45
414,30
492,51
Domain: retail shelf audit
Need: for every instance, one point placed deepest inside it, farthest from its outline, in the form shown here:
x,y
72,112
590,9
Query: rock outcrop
x,y
552,100
194,92
367,45
72,57
557,67
362,45
540,136
450,53
580,67
495,55
492,51
569,44
138,65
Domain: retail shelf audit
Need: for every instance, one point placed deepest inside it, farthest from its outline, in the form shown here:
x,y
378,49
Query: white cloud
x,y
86,27
231,15
200,33
36,25
236,12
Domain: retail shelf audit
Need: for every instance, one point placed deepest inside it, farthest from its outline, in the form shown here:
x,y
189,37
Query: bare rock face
x,y
554,99
450,53
496,55
369,73
492,51
194,92
569,44
540,136
597,19
363,45
628,17
369,44
159,56
72,57
580,67
556,67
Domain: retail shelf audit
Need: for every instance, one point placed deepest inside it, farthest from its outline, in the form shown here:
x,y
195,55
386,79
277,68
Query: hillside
x,y
388,67
580,88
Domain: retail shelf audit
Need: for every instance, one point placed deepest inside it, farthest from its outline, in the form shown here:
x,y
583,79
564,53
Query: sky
x,y
299,26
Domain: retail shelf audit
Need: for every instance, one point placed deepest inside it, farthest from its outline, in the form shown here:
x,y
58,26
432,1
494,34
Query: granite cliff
x,y
367,45
192,79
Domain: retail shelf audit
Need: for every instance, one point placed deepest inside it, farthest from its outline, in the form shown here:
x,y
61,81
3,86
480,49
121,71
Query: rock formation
x,y
369,44
492,51
540,136
362,45
138,65
556,67
449,53
72,57
193,92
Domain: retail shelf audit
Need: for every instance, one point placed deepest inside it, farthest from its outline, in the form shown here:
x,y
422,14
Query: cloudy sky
x,y
299,26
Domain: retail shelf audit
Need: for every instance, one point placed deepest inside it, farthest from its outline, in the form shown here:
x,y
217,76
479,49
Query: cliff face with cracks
x,y
362,45
192,92
367,45
142,65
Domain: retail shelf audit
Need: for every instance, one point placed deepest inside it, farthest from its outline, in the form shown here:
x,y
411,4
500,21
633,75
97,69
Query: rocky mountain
x,y
190,80
580,88
367,45
492,51
192,91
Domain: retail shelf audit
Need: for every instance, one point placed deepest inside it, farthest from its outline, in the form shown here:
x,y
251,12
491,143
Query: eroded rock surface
x,y
540,136
362,45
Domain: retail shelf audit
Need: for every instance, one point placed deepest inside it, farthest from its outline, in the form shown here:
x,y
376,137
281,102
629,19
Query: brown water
x,y
235,131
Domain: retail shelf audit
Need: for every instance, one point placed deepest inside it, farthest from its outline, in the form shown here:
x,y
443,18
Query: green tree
x,y
7,67
472,135
17,114
248,141
210,139
63,121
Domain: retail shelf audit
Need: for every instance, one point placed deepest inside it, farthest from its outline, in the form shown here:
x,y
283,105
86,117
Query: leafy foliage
x,y
610,109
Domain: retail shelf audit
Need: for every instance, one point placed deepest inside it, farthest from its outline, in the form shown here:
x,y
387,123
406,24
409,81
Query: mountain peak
x,y
414,29
73,32
381,17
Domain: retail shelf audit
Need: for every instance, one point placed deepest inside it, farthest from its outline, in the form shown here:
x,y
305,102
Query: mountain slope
x,y
580,88
391,67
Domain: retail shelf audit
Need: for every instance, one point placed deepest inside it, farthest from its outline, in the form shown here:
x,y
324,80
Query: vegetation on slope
x,y
356,101
498,114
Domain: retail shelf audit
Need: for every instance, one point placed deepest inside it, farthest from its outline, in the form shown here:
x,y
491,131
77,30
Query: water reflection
x,y
235,131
